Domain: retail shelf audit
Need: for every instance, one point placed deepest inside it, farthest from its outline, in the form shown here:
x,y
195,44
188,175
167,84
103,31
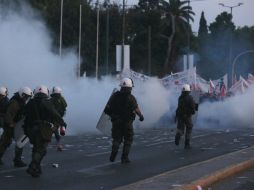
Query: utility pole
x,y
80,31
123,35
189,30
97,41
188,34
231,33
149,50
107,36
61,26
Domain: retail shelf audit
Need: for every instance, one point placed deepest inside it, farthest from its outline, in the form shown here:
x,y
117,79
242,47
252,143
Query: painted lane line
x,y
98,153
84,170
163,142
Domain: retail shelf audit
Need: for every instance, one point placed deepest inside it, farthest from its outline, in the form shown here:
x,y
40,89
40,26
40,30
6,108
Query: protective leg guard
x,y
125,156
17,159
177,139
187,144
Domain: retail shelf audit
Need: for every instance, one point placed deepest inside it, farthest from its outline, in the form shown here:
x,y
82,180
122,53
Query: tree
x,y
220,41
203,30
148,4
176,15
144,37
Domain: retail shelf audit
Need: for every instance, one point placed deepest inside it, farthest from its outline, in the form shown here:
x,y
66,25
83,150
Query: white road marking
x,y
84,170
163,142
98,153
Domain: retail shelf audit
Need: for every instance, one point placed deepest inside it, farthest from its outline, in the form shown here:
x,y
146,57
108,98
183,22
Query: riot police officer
x,y
60,105
41,116
4,100
122,108
14,114
186,108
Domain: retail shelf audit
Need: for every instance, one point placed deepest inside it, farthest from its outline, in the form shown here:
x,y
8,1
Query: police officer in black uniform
x,y
60,105
122,108
4,100
186,108
41,116
13,115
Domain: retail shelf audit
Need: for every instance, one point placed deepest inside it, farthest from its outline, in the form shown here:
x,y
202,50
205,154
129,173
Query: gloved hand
x,y
63,124
141,118
62,130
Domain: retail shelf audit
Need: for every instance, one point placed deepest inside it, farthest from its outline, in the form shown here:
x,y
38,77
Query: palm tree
x,y
176,15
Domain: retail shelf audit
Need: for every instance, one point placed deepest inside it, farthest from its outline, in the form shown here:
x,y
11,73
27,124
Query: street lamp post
x,y
231,35
97,40
80,31
188,34
107,36
123,35
61,26
234,62
189,27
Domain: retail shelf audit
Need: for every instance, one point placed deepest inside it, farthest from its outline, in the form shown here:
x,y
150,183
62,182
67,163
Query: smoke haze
x,y
234,112
26,59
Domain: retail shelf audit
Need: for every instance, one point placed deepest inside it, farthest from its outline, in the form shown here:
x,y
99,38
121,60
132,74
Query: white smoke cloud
x,y
153,99
26,59
234,112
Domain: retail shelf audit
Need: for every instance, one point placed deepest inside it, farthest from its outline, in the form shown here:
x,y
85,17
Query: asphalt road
x,y
84,162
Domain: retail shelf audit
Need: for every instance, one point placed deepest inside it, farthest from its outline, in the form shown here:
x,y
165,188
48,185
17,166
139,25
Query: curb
x,y
224,171
218,176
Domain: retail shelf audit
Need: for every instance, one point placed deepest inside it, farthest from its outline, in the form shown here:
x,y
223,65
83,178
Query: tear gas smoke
x,y
26,60
234,112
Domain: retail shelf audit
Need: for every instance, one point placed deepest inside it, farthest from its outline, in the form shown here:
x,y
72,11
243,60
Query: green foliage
x,y
203,30
214,49
176,28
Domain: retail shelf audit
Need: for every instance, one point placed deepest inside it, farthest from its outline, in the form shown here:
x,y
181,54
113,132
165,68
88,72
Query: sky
x,y
242,15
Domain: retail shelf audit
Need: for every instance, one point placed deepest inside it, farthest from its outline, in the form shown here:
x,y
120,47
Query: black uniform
x,y
41,116
14,113
60,105
3,107
121,108
186,108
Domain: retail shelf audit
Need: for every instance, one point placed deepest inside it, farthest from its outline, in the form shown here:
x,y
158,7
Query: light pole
x,y
97,40
189,27
61,26
235,59
107,36
188,34
123,35
80,31
231,35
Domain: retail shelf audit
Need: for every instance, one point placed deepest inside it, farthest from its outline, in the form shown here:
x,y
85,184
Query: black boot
x,y
115,147
19,163
33,170
125,160
113,156
177,139
126,149
17,160
187,144
1,162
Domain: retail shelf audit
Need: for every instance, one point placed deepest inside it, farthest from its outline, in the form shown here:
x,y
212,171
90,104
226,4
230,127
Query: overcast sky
x,y
243,15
